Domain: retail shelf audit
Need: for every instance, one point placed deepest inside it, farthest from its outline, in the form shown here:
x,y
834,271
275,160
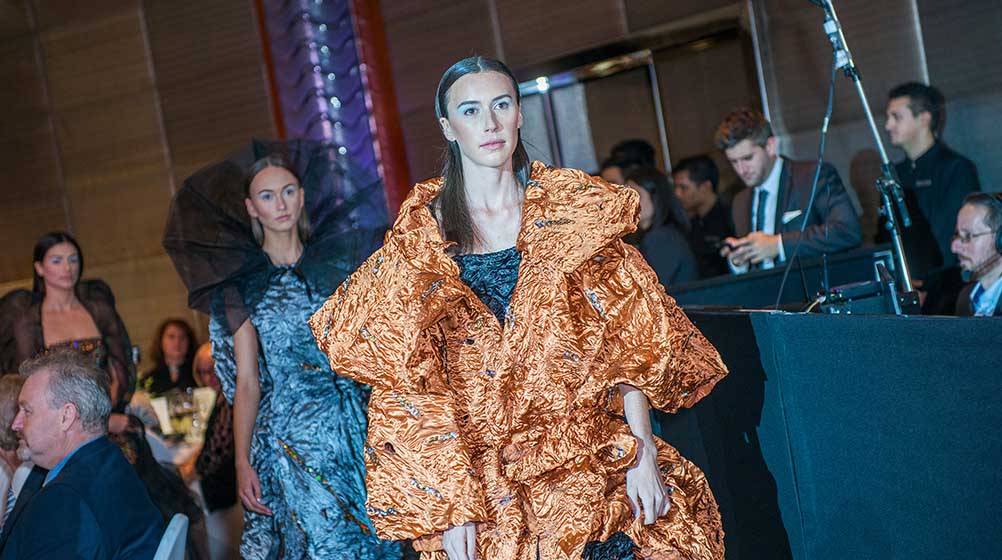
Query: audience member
x,y
769,213
977,244
935,180
215,466
63,311
173,352
15,466
624,158
710,221
90,503
216,462
662,228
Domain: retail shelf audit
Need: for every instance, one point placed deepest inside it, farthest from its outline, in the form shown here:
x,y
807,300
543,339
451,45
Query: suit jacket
x,y
964,307
95,508
832,223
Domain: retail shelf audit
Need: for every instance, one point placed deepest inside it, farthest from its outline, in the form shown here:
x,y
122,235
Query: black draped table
x,y
852,436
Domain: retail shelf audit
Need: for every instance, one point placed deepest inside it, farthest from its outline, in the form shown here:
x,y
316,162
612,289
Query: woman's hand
x,y
644,487
460,542
249,489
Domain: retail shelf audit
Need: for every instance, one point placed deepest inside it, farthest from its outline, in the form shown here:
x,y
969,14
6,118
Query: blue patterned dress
x,y
308,438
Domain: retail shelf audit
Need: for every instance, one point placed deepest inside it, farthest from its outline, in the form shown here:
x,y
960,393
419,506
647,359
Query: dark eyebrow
x,y
474,102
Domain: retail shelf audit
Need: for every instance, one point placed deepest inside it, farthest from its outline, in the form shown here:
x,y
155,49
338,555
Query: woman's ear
x,y
251,211
447,129
39,269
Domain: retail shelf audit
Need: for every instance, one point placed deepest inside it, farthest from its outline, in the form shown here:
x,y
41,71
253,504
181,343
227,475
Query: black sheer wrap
x,y
209,237
21,335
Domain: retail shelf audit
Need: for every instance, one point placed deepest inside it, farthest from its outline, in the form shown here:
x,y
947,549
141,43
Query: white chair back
x,y
172,544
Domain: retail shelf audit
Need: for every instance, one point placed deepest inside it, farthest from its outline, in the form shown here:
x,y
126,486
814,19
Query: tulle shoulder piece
x,y
13,304
210,241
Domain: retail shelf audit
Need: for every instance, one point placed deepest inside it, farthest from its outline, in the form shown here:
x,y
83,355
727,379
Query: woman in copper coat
x,y
513,343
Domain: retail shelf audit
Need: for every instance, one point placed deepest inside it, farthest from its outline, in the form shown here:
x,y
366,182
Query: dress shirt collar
x,y
59,466
988,299
771,183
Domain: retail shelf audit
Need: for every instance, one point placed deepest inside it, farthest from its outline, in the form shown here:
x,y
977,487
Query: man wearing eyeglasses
x,y
977,243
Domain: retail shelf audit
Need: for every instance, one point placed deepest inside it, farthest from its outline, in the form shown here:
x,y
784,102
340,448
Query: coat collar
x,y
568,216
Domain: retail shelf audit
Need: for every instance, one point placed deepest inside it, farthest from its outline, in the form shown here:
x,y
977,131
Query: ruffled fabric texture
x,y
520,428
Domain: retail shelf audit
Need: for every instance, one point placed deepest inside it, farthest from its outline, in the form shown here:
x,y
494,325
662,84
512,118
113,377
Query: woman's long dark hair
x,y
451,205
156,349
42,246
275,160
668,209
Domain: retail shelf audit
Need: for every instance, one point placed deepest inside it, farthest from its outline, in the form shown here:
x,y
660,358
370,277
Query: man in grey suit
x,y
769,213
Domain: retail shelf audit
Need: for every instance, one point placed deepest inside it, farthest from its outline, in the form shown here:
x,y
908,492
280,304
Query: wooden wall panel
x,y
621,107
644,14
115,167
210,73
53,13
961,45
423,43
534,32
31,201
82,129
97,60
14,20
700,84
108,129
885,43
425,38
22,95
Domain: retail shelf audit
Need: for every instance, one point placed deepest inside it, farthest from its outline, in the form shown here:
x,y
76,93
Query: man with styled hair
x,y
768,215
90,504
935,180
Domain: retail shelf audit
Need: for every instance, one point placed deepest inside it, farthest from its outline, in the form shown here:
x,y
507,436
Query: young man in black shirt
x,y
710,221
935,180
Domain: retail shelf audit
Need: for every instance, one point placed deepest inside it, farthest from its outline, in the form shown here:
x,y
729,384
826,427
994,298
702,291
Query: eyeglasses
x,y
966,237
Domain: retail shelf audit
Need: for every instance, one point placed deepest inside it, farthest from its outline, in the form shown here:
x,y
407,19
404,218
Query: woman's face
x,y
174,344
646,205
60,267
275,199
483,118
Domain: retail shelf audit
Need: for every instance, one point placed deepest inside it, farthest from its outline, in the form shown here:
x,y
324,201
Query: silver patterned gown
x,y
308,439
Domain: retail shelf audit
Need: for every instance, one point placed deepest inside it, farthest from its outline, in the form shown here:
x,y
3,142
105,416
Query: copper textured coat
x,y
520,428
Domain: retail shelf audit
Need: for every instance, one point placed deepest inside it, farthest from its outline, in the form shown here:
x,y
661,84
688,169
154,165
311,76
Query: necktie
x,y
976,297
11,499
759,219
760,199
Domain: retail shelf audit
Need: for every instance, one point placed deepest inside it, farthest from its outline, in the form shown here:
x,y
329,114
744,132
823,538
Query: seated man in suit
x,y
769,213
90,504
977,243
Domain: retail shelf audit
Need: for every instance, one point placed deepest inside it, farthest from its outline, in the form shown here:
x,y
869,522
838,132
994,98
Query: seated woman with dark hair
x,y
173,352
661,232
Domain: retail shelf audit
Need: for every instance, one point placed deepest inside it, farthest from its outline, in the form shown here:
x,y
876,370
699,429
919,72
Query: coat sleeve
x,y
838,226
380,328
649,342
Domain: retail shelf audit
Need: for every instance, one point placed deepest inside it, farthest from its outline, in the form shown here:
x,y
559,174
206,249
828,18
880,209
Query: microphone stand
x,y
887,184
